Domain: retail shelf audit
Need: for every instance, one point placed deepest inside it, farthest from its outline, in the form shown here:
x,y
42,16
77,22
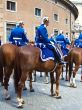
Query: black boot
x,y
58,59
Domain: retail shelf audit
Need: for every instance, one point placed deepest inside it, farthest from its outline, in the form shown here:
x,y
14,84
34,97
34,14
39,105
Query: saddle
x,y
45,52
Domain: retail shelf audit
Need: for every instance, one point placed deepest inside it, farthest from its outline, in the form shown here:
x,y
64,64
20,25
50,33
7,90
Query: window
x,y
55,17
11,5
55,32
9,27
37,12
66,21
55,1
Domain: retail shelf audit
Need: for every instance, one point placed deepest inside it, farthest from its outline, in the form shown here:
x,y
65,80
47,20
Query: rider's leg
x,y
58,54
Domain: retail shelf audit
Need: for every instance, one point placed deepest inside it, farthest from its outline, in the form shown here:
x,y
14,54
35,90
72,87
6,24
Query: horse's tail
x,y
17,71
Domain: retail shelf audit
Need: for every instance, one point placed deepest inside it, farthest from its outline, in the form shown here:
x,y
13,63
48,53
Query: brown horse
x,y
8,54
76,58
28,59
7,60
67,60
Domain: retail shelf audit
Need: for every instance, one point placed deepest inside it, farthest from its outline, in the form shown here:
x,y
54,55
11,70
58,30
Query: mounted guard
x,y
43,41
18,35
78,41
64,42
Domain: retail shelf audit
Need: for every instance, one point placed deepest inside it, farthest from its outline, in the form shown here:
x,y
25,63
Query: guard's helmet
x,y
19,23
45,19
61,31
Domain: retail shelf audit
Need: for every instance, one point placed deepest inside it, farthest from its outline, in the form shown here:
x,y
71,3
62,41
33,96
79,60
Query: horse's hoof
x,y
2,84
33,80
62,78
32,90
40,75
25,88
66,80
74,86
80,80
46,82
23,102
20,106
8,98
52,95
71,85
58,97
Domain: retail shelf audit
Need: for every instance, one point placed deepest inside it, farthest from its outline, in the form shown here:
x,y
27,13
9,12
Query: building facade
x,y
61,13
78,22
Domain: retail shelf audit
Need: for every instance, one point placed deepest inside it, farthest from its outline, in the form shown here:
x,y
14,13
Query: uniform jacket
x,y
18,36
42,35
62,40
80,36
78,43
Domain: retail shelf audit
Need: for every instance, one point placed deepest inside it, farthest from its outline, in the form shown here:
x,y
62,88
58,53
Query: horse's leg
x,y
20,88
70,73
40,74
74,74
52,82
1,75
46,80
81,74
34,76
58,73
30,83
7,74
67,66
25,88
62,78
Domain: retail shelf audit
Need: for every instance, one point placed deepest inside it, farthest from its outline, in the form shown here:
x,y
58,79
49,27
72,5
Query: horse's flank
x,y
31,54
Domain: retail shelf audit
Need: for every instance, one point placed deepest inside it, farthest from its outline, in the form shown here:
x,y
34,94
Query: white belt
x,y
17,38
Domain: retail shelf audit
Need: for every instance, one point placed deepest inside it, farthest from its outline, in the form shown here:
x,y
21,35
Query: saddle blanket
x,y
46,54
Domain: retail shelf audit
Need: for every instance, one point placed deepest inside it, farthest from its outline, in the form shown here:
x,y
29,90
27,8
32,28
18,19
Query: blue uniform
x,y
42,38
42,35
18,36
80,36
78,41
0,42
63,41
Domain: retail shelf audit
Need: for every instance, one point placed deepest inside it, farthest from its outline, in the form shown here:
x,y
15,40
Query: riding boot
x,y
58,57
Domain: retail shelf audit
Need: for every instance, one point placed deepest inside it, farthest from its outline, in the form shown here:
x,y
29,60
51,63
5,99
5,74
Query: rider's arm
x,y
67,41
44,34
10,37
25,37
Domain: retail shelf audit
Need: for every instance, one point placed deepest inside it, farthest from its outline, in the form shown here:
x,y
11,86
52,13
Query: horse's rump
x,y
8,54
30,57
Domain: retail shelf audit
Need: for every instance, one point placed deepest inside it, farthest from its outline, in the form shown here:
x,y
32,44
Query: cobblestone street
x,y
41,99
